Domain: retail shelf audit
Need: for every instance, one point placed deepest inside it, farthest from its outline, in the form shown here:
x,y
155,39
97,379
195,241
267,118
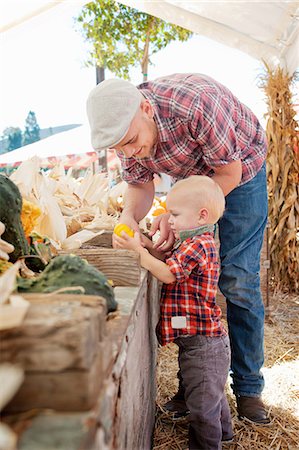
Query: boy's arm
x,y
158,268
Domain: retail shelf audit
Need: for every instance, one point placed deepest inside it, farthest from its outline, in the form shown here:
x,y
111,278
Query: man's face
x,y
142,135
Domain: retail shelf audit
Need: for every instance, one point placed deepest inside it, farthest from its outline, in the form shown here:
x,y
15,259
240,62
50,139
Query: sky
x,y
43,69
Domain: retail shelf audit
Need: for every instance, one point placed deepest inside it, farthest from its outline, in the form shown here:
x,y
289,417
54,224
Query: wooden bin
x,y
60,346
120,266
101,388
122,415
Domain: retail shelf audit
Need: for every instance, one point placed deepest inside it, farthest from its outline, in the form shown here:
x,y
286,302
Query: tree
x,y
31,133
13,138
122,37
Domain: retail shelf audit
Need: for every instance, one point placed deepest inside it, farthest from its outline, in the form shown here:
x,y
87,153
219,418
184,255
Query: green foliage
x,y
13,137
31,133
122,37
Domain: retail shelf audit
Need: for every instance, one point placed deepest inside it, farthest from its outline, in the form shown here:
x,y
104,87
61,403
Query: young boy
x,y
189,315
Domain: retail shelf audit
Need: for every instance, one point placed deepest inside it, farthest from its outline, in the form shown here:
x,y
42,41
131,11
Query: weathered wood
x,y
62,431
58,333
103,240
127,408
69,390
124,414
120,266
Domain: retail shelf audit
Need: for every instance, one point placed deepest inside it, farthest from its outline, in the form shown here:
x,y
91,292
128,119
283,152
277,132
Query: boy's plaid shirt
x,y
201,125
193,294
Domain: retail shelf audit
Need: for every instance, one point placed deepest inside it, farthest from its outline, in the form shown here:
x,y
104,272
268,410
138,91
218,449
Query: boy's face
x,y
142,135
184,214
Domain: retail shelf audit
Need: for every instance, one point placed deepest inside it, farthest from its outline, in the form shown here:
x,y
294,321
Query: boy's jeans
x,y
241,231
204,363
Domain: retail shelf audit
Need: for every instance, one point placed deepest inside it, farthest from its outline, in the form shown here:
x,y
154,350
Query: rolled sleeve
x,y
185,260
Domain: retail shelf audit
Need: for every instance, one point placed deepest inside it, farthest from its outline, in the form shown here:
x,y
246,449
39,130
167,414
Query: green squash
x,y
10,215
69,271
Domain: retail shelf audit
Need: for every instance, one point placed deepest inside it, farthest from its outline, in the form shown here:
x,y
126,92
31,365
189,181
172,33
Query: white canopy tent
x,y
74,141
69,143
266,30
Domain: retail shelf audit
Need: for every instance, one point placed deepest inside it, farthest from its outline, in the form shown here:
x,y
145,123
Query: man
x,y
189,124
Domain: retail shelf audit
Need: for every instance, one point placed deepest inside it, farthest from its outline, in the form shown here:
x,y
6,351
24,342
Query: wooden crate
x,y
120,266
60,345
123,415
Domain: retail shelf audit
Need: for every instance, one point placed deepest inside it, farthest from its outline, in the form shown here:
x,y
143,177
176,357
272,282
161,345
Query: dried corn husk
x,y
8,439
283,179
76,240
11,378
8,282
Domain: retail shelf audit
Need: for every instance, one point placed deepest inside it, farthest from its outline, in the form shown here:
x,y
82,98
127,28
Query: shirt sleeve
x,y
186,259
212,125
133,172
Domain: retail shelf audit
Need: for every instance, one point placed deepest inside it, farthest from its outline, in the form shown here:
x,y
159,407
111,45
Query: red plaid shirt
x,y
201,125
191,299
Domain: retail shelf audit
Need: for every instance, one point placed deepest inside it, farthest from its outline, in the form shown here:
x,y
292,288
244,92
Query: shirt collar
x,y
185,234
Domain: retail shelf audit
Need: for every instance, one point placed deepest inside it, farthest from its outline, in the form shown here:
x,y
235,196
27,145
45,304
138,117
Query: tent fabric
x,y
73,147
266,30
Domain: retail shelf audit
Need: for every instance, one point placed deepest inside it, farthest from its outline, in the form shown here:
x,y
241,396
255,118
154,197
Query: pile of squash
x,y
64,271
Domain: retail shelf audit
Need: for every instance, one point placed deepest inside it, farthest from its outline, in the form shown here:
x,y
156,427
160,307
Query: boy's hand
x,y
127,242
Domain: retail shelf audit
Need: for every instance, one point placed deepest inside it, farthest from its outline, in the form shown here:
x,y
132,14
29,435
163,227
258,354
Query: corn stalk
x,y
283,179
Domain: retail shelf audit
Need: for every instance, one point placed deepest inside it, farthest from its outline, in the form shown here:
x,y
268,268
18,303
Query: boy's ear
x,y
147,108
203,214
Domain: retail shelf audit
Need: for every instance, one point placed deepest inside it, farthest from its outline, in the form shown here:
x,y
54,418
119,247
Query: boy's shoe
x,y
176,407
227,440
252,409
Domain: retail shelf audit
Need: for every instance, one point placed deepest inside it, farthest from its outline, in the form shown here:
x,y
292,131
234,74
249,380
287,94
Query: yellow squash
x,y
123,227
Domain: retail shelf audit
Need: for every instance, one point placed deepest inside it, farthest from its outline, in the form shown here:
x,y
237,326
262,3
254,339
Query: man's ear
x,y
203,215
147,108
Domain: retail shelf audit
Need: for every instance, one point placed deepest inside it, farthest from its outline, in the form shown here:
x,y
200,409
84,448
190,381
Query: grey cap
x,y
111,107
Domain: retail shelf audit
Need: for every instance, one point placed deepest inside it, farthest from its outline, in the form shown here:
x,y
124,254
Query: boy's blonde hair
x,y
203,192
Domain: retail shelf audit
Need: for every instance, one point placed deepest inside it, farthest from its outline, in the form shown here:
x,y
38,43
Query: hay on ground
x,y
281,394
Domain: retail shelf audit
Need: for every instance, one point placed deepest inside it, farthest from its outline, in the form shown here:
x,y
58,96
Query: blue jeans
x,y
241,231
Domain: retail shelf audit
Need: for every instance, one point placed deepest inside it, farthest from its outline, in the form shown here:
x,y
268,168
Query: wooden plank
x,y
103,240
70,390
59,332
120,266
58,431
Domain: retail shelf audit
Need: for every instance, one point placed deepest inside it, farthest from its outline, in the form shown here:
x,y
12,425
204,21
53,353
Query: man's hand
x,y
166,239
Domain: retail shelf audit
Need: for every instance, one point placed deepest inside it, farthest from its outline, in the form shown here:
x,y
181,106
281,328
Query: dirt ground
x,y
281,393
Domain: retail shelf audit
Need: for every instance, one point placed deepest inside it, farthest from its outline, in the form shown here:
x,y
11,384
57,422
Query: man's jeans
x,y
241,231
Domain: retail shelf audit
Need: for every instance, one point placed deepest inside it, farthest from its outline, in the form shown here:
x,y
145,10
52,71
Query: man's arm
x,y
228,176
138,201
